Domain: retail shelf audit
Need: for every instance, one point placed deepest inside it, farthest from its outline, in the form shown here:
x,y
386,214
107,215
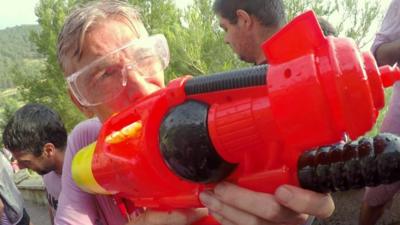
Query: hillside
x,y
15,50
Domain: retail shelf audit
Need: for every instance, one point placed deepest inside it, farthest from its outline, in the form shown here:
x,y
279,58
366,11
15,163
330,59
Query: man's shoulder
x,y
395,2
83,134
52,182
51,177
87,125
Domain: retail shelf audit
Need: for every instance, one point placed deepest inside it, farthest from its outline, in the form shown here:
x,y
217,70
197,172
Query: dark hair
x,y
327,28
31,127
268,12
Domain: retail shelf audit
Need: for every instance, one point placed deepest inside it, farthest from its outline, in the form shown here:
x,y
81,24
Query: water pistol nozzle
x,y
389,75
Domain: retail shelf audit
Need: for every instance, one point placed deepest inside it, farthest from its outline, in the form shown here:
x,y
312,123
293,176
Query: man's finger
x,y
259,205
305,201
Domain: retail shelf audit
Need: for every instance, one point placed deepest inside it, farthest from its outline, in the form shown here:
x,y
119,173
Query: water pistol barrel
x,y
352,165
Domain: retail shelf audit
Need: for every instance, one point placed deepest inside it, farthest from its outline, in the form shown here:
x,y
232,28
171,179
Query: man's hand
x,y
388,53
174,217
230,204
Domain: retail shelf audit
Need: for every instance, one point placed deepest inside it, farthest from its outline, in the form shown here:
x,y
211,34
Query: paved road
x,y
348,209
38,213
346,213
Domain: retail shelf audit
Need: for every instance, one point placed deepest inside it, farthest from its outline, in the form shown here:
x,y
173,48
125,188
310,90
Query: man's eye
x,y
147,61
99,78
105,75
222,28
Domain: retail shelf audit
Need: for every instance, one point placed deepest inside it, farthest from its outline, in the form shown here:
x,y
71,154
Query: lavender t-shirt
x,y
52,182
76,207
390,28
390,31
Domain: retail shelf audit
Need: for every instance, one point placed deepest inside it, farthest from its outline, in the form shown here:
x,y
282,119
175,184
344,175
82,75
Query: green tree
x,y
195,40
10,102
15,48
48,87
351,18
199,45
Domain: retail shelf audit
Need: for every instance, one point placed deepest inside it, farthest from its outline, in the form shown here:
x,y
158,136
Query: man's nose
x,y
136,83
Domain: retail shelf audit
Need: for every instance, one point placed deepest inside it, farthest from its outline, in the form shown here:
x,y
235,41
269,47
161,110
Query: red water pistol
x,y
250,127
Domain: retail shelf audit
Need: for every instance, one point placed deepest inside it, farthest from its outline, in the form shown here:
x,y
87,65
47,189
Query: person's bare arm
x,y
388,53
1,208
369,215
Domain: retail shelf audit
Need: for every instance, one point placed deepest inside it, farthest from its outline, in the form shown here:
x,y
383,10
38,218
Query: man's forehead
x,y
100,40
108,35
223,22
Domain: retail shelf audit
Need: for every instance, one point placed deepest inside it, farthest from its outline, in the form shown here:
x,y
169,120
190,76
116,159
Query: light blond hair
x,y
72,35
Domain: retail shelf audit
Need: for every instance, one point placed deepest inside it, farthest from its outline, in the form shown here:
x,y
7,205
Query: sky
x,y
18,12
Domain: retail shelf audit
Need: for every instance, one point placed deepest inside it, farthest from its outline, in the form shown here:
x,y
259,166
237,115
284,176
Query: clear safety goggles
x,y
106,77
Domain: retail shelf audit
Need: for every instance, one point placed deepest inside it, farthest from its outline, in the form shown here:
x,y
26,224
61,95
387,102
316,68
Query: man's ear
x,y
85,110
244,19
48,150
